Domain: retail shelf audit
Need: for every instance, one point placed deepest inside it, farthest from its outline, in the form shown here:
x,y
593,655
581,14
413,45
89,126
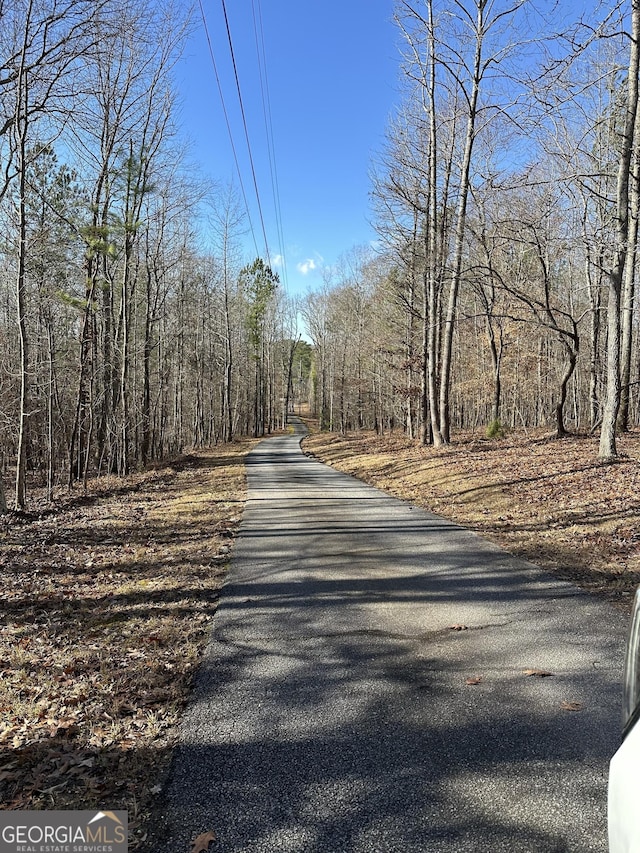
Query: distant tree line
x,y
122,340
502,291
506,202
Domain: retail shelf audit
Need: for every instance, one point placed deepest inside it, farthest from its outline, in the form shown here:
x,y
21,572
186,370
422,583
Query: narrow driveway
x,y
338,710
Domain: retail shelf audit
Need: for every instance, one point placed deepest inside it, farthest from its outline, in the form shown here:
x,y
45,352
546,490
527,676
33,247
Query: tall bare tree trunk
x,y
572,359
21,461
51,390
595,299
461,219
289,387
227,393
608,449
432,302
21,130
628,298
145,443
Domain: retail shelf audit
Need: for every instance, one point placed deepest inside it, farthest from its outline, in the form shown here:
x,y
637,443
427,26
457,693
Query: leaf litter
x,y
105,607
202,842
549,501
107,597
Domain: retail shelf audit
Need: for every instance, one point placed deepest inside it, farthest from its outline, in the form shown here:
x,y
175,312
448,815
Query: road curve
x,y
338,711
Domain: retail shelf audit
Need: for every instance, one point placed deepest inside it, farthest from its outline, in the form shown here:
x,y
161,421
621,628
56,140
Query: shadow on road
x,y
365,687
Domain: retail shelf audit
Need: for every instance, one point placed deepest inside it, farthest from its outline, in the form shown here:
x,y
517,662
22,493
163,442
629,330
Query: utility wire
x,y
246,130
268,124
226,118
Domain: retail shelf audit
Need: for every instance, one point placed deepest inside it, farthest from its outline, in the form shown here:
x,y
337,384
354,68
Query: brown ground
x,y
106,600
548,501
105,605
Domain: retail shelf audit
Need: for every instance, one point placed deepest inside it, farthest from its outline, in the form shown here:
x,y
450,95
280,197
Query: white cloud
x,y
306,266
277,261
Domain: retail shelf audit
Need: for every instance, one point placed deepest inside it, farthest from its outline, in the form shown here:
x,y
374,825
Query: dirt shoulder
x,y
548,501
105,607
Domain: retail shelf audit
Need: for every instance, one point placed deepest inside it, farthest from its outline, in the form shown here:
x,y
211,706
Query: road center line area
x,y
380,679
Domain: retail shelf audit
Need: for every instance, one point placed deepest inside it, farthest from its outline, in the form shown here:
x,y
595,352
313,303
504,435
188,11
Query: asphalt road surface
x,y
334,713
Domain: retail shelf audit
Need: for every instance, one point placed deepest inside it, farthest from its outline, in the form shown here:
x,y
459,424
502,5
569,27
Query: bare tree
x,y
228,218
36,80
454,51
624,251
121,133
629,289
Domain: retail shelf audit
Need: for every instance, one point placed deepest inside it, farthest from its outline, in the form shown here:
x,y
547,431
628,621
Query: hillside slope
x,y
546,500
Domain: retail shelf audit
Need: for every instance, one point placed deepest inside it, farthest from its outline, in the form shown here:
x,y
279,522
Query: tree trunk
x,y
21,130
145,444
289,380
78,440
594,363
496,360
461,218
227,395
409,353
628,298
572,352
123,389
21,461
50,400
608,449
432,302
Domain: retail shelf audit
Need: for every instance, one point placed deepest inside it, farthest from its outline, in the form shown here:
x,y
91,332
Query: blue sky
x,y
332,72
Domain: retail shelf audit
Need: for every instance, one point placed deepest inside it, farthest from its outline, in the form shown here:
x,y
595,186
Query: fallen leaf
x,y
67,726
202,842
475,679
571,706
458,628
538,673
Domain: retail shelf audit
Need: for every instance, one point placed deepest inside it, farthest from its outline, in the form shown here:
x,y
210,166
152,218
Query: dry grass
x,y
549,501
106,602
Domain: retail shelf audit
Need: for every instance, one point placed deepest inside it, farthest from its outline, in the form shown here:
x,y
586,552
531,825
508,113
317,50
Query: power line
x,y
226,118
246,130
268,124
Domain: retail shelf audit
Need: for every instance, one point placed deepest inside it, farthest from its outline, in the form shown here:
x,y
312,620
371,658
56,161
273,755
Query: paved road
x,y
333,713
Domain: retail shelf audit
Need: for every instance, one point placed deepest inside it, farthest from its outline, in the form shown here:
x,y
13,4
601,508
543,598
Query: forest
x,y
500,293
